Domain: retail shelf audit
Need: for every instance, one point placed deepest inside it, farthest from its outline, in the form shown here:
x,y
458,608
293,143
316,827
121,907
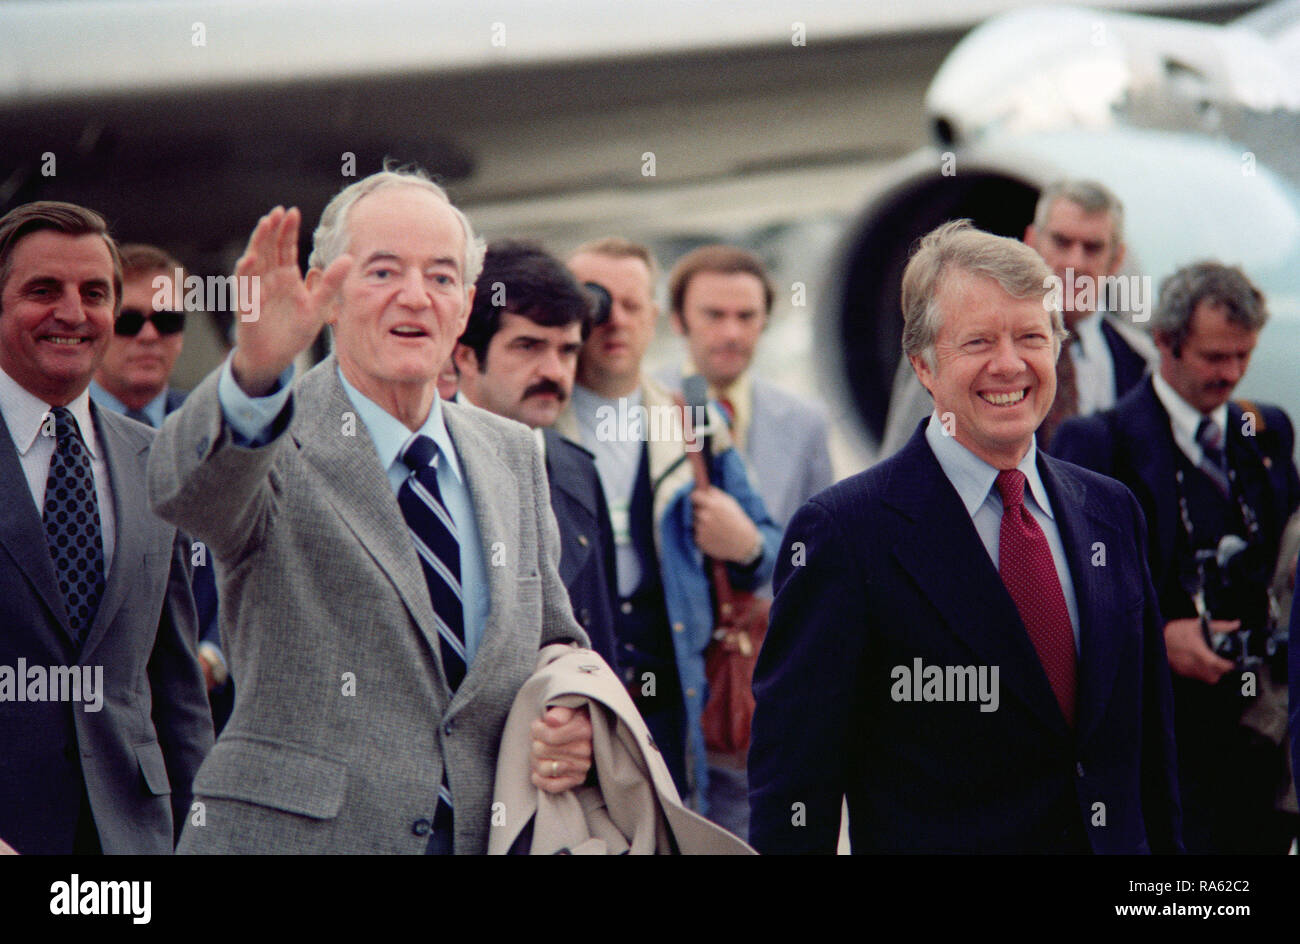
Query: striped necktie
x,y
438,547
1213,461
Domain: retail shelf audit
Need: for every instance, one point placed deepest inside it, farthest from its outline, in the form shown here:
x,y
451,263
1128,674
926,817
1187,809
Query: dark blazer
x,y
1135,444
139,753
586,540
885,568
1130,366
1293,669
175,398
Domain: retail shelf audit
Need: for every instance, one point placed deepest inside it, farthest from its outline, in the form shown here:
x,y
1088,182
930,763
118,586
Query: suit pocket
x,y
154,768
275,775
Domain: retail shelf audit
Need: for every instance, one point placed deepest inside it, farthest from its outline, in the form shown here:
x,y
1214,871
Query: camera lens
x,y
601,302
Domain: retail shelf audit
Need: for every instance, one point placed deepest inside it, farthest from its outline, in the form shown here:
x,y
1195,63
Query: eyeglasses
x,y
131,321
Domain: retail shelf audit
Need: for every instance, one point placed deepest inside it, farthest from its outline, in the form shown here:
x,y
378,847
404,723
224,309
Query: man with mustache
x,y
1203,469
517,358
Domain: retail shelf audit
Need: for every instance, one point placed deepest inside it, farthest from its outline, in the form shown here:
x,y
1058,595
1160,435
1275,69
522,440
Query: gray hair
x,y
959,246
1091,197
331,237
1212,282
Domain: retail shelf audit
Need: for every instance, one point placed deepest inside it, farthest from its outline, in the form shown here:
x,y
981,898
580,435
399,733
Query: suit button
x,y
690,693
446,729
582,539
1078,768
626,607
421,827
678,628
584,617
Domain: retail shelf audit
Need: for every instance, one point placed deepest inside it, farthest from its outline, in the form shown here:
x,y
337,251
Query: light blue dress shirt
x,y
974,479
250,418
155,409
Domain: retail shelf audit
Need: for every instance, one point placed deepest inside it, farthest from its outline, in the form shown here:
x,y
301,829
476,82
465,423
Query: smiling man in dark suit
x,y
95,587
518,358
965,640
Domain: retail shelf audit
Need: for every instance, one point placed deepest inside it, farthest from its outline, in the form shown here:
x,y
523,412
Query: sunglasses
x,y
132,320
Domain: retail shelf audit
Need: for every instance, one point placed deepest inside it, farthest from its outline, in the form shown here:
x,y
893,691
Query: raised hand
x,y
280,313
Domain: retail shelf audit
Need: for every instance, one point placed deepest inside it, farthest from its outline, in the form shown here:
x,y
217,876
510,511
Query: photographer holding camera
x,y
1217,483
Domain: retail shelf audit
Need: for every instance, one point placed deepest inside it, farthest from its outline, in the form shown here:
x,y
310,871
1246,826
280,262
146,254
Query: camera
x,y
1234,584
602,303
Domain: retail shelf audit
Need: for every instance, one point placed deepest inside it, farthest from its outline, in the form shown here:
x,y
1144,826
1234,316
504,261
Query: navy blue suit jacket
x,y
1135,444
885,568
1130,366
1293,669
586,540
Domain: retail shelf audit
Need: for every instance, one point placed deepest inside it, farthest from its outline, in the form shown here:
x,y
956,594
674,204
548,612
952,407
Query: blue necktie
x,y
438,547
72,525
1213,461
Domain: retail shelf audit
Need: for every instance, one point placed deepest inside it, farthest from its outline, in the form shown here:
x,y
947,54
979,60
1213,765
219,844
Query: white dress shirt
x,y
24,414
1185,418
1094,368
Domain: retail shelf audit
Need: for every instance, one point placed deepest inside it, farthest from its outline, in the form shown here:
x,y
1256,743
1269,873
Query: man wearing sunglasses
x,y
147,339
132,380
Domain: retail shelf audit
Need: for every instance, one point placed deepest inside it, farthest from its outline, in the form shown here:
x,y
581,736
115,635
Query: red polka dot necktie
x,y
72,526
1025,563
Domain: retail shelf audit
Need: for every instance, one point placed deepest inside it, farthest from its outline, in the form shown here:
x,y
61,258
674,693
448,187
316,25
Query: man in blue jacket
x,y
663,526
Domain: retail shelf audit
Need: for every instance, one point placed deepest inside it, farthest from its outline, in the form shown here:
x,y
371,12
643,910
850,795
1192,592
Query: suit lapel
x,y
493,490
358,490
955,573
1154,458
126,456
564,474
1083,525
23,533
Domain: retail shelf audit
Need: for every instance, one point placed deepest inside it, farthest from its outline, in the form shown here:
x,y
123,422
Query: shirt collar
x,y
24,414
972,477
1087,331
390,435
1185,417
155,409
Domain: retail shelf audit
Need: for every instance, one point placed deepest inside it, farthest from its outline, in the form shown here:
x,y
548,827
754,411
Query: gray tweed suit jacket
x,y
343,721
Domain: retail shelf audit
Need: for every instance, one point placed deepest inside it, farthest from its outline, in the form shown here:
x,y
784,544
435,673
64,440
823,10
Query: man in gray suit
x,y
386,561
103,719
721,298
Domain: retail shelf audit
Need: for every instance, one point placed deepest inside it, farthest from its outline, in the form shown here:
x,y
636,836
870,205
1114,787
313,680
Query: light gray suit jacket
x,y
343,721
787,450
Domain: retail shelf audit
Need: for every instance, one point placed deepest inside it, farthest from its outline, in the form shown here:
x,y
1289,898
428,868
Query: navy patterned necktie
x,y
1214,463
72,525
438,547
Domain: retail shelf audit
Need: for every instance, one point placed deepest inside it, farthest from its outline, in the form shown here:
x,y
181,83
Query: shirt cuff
x,y
250,418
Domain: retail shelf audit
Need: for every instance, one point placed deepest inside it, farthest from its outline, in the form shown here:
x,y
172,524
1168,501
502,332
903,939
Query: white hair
x,y
331,237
